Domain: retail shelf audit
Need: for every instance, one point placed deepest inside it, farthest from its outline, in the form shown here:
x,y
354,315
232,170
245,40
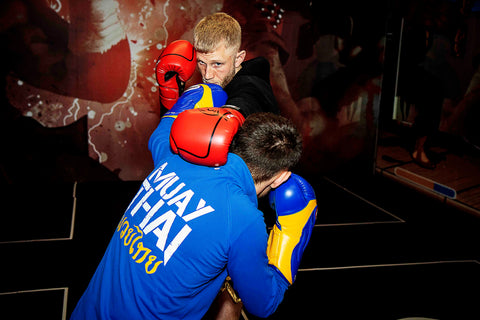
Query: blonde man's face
x,y
219,66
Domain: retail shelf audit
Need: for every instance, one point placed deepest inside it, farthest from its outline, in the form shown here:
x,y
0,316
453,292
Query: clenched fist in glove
x,y
295,205
203,136
175,65
198,96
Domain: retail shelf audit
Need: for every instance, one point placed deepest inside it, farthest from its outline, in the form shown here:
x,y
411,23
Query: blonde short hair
x,y
216,29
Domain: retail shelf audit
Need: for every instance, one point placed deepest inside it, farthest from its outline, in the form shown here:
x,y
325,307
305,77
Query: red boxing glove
x,y
203,136
175,66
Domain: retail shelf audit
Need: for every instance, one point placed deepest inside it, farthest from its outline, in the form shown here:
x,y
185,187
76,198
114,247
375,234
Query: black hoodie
x,y
250,90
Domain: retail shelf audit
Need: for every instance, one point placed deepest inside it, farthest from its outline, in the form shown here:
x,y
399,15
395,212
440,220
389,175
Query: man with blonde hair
x,y
217,40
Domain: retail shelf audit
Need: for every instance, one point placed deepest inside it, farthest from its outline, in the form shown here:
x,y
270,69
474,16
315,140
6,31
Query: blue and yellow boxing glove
x,y
295,206
204,95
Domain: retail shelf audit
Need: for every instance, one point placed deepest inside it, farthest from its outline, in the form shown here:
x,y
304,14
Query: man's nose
x,y
208,73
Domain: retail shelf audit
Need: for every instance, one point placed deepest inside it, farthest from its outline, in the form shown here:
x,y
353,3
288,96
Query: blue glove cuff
x,y
205,95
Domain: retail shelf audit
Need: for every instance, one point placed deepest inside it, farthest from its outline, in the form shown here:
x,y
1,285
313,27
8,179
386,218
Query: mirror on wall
x,y
428,135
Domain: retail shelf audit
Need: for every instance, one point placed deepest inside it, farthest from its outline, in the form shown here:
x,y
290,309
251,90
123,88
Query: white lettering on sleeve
x,y
181,201
150,213
163,190
165,179
200,211
157,171
176,242
141,202
167,218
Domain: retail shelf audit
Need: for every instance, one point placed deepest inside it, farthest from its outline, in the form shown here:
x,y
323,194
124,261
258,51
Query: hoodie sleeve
x,y
258,284
250,90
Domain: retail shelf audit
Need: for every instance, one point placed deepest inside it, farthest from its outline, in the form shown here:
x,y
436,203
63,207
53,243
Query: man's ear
x,y
281,178
239,58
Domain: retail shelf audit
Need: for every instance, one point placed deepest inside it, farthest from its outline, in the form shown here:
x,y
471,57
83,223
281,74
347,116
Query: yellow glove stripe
x,y
281,243
206,101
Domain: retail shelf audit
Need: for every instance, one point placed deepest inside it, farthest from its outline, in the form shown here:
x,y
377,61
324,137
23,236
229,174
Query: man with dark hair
x,y
267,143
191,225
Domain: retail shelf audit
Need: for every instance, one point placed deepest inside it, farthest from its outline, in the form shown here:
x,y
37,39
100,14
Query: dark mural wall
x,y
79,97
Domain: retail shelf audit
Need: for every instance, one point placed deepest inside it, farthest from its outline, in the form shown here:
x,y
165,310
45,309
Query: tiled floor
x,y
405,256
382,251
458,172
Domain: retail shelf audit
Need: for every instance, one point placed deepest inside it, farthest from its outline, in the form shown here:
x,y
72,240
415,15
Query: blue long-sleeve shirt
x,y
187,228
